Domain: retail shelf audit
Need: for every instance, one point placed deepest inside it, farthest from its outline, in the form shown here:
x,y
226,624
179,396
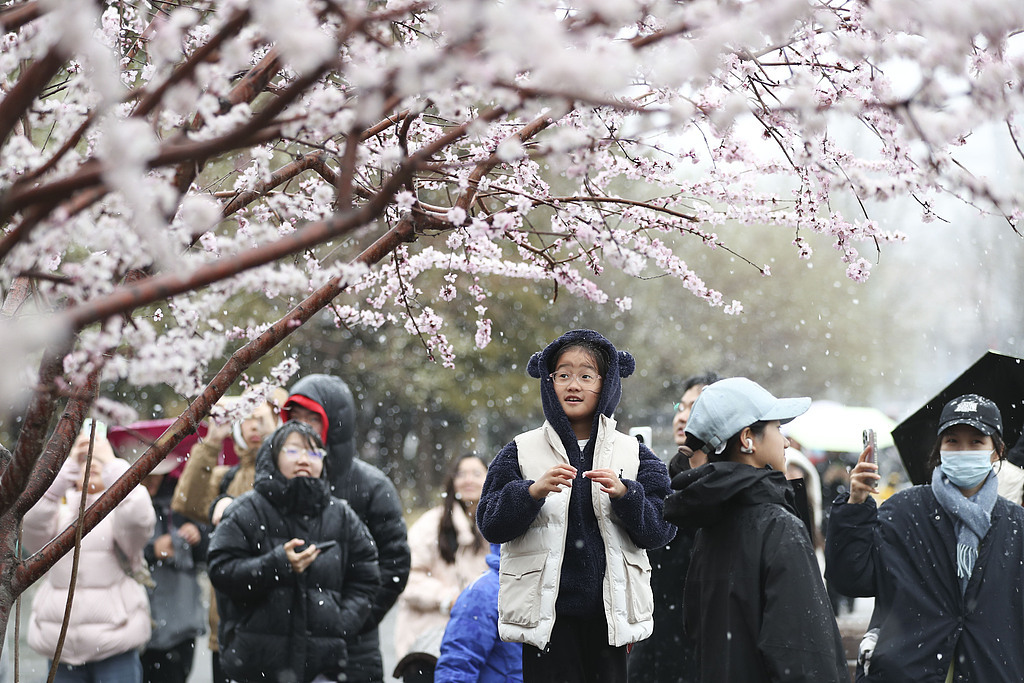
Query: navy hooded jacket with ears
x,y
506,508
374,498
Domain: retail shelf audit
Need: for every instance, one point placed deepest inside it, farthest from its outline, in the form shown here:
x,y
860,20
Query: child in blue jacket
x,y
471,651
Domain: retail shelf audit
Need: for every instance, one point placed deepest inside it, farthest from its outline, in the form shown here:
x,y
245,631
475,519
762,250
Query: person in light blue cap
x,y
754,601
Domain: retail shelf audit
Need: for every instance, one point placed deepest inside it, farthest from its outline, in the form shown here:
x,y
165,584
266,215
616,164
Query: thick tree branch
x,y
20,97
17,295
59,445
487,165
32,436
34,216
151,99
246,90
16,16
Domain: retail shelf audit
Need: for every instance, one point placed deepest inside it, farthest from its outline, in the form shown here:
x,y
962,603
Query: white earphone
x,y
749,448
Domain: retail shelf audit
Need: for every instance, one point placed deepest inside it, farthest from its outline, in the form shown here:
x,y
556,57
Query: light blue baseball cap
x,y
724,408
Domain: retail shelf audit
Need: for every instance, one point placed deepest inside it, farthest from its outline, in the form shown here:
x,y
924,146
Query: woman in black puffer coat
x,y
287,595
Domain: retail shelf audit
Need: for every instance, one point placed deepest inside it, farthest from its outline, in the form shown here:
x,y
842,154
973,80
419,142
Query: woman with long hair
x,y
448,553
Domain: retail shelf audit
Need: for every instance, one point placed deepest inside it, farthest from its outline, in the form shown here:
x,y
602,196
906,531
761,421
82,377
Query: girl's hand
x,y
552,481
609,481
190,533
216,432
301,560
218,510
163,547
863,478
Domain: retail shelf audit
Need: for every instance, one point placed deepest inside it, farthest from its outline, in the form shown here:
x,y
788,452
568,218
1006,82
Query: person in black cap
x,y
944,561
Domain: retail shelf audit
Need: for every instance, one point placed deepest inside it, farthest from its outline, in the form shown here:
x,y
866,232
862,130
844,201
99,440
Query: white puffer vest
x,y
531,564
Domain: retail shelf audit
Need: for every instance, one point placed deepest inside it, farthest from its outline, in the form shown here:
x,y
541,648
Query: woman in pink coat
x,y
448,554
110,613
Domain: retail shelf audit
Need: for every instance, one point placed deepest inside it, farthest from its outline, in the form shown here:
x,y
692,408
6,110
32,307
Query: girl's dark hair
x,y
934,458
447,536
290,427
692,444
595,350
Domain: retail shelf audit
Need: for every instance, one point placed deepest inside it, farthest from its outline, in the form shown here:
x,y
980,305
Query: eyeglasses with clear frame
x,y
585,379
313,453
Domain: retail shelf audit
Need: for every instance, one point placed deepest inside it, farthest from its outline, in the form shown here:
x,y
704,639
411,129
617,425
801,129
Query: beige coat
x,y
433,583
199,483
1010,478
110,611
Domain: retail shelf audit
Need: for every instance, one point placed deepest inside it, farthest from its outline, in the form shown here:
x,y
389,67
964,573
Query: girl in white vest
x,y
574,504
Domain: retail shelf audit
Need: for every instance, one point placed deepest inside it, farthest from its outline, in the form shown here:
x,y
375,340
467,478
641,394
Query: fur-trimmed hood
x,y
620,364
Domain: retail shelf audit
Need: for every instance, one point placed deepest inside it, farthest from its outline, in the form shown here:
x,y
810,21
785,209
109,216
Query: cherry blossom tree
x,y
160,162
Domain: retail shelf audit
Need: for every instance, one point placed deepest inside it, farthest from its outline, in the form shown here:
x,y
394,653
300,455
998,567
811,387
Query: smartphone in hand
x,y
320,546
869,440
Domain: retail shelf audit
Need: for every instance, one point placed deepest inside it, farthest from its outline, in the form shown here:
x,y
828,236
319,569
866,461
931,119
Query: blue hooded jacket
x,y
506,508
471,651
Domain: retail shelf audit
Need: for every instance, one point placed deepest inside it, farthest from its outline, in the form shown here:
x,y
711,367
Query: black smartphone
x,y
324,545
869,440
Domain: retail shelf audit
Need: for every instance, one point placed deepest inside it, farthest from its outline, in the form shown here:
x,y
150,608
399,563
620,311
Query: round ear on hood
x,y
627,364
533,366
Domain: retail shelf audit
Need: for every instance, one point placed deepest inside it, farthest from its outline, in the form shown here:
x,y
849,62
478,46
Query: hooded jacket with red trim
x,y
374,498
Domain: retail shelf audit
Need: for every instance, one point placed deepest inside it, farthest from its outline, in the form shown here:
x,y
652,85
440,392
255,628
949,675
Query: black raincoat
x,y
903,553
754,600
277,625
374,498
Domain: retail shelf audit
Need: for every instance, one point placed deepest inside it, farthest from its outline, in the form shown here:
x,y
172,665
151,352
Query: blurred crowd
x,y
575,554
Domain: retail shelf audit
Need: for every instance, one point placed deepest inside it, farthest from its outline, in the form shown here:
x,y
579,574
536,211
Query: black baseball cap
x,y
976,411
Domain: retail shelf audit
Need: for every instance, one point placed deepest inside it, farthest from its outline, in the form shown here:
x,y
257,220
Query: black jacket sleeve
x,y
641,509
237,569
362,576
851,553
387,526
798,637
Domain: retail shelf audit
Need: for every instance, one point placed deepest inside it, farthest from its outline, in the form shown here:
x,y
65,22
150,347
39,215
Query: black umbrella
x,y
995,376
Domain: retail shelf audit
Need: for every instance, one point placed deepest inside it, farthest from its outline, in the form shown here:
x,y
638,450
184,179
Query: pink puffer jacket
x,y
110,613
433,583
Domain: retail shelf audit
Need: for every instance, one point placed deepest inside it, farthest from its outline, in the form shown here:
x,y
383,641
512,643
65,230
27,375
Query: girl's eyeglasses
x,y
585,379
313,453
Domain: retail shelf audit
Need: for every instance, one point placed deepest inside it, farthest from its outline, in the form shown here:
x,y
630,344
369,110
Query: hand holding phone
x,y
322,546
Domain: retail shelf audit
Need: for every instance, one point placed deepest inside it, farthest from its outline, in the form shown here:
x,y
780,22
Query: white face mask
x,y
966,469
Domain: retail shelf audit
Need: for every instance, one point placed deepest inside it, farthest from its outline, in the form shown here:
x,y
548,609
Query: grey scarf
x,y
972,518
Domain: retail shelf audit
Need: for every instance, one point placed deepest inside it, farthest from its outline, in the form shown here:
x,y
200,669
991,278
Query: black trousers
x,y
168,666
578,653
